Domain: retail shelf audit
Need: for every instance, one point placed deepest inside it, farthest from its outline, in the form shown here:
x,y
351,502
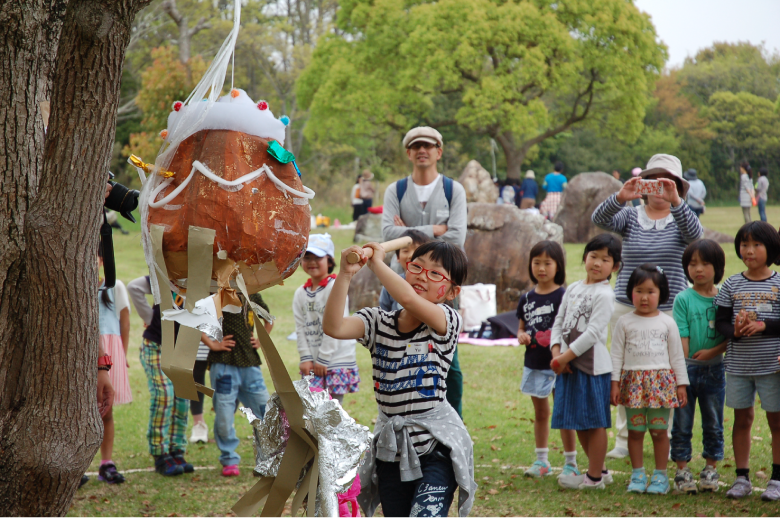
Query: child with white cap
x,y
332,361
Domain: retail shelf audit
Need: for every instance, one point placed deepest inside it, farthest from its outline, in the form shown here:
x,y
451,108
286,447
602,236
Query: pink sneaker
x,y
230,470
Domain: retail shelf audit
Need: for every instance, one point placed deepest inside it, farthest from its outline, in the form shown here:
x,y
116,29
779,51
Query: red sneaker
x,y
230,470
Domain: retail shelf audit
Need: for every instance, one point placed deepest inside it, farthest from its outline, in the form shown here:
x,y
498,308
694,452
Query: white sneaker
x,y
200,433
573,481
617,453
607,478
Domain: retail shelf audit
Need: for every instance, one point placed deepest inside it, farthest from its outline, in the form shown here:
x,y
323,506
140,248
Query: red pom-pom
x,y
262,105
177,106
234,93
164,134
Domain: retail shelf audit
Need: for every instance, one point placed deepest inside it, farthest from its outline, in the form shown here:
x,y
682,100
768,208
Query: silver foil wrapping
x,y
342,443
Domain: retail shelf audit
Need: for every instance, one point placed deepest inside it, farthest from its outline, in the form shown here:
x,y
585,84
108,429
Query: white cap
x,y
321,245
422,134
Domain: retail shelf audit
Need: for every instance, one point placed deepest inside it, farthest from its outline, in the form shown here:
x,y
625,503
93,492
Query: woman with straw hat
x,y
528,190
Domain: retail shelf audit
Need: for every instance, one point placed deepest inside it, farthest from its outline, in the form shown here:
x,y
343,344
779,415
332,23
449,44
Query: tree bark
x,y
50,427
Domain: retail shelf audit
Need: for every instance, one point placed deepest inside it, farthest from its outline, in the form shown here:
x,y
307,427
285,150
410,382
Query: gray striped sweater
x,y
650,241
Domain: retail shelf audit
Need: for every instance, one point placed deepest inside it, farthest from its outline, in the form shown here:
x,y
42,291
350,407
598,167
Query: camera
x,y
122,199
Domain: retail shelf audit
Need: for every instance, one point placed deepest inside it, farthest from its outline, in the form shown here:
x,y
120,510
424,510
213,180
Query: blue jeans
x,y
762,209
429,496
708,385
233,384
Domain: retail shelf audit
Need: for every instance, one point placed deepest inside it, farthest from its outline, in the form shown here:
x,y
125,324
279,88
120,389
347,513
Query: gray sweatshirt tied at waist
x,y
391,438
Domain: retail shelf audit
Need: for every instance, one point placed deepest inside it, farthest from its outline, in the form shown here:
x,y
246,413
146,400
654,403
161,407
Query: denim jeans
x,y
429,496
762,209
708,386
233,384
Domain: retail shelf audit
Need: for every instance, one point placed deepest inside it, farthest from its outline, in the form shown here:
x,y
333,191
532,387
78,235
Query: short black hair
x,y
418,238
649,271
555,252
761,232
762,172
451,258
605,241
331,265
558,166
709,251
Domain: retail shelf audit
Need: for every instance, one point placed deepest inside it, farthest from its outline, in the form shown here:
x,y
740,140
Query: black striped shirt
x,y
757,354
409,369
650,241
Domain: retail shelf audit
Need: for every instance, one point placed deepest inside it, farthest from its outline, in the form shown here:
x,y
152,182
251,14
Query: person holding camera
x,y
657,232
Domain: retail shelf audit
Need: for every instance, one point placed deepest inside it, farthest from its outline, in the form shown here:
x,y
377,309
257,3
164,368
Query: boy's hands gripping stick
x,y
388,246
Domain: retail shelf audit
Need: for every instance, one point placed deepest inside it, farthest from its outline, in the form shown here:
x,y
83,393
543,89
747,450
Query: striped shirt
x,y
757,354
661,242
409,369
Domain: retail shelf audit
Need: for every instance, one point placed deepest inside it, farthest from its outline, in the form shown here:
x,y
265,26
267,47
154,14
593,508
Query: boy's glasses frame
x,y
409,265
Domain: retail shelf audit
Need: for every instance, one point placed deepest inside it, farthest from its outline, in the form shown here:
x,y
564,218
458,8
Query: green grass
x,y
498,417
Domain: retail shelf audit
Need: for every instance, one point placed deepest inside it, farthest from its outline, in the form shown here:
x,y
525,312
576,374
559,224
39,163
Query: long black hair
x,y
105,298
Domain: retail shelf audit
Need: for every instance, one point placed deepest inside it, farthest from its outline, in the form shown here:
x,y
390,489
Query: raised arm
x,y
611,215
334,322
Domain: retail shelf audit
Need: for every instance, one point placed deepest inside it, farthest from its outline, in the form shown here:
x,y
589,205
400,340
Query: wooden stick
x,y
389,246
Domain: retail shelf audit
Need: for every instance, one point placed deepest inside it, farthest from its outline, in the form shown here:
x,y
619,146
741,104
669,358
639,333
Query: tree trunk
x,y
50,427
514,154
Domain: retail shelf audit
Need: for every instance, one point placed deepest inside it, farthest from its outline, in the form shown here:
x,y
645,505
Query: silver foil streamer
x,y
341,440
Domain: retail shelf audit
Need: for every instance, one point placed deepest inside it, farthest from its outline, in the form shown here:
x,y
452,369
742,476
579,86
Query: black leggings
x,y
199,374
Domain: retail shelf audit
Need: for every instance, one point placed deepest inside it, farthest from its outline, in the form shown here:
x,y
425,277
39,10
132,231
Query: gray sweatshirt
x,y
437,211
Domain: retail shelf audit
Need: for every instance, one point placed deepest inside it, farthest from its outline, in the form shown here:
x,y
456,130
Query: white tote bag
x,y
477,303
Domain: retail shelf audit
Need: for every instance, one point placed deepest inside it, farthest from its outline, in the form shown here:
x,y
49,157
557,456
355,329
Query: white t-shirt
x,y
424,192
121,301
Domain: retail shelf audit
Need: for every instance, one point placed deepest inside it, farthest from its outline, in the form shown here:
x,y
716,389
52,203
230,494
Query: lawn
x,y
498,417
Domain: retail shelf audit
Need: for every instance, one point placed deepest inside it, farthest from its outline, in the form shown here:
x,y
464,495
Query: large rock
x,y
719,237
369,228
583,194
499,240
478,184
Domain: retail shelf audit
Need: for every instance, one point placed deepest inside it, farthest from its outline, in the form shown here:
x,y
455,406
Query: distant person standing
x,y
616,175
746,192
554,184
357,202
762,186
696,192
528,190
367,189
433,204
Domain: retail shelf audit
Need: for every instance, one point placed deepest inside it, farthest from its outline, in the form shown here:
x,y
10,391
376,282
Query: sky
x,y
686,26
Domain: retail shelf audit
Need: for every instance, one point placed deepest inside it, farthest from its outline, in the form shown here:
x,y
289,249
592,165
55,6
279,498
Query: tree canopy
x,y
519,71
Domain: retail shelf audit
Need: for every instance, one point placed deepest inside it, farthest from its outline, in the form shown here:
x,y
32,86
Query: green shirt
x,y
695,317
240,326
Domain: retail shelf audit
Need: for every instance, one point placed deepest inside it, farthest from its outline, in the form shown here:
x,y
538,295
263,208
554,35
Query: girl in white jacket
x,y
332,361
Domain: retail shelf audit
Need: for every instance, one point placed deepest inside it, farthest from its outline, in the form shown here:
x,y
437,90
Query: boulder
x,y
478,184
499,240
583,194
369,228
719,237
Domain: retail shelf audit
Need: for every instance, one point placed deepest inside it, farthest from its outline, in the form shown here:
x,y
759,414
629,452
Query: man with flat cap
x,y
433,204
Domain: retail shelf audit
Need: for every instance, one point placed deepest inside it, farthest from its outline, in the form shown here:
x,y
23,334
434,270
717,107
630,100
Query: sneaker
x,y
573,481
178,458
230,470
569,470
617,453
110,474
588,484
742,487
539,469
683,481
708,479
659,484
606,477
200,433
638,483
84,480
166,465
772,492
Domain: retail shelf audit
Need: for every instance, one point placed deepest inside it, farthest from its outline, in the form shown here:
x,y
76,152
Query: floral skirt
x,y
338,381
653,388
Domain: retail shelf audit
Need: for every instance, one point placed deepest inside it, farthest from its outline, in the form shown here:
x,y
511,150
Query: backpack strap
x,y
400,188
447,189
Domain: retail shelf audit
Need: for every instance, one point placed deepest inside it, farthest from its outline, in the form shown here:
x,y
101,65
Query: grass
x,y
498,417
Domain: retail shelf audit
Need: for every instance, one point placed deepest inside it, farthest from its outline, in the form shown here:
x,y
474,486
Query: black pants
x,y
199,374
429,496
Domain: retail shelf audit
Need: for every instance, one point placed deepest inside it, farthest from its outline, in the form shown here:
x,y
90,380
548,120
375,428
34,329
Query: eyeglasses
x,y
426,145
433,275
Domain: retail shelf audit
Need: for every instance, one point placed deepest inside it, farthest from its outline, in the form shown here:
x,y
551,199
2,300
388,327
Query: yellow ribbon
x,y
148,168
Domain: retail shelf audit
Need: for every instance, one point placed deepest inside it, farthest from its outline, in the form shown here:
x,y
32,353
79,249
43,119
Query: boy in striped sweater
x,y
411,352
